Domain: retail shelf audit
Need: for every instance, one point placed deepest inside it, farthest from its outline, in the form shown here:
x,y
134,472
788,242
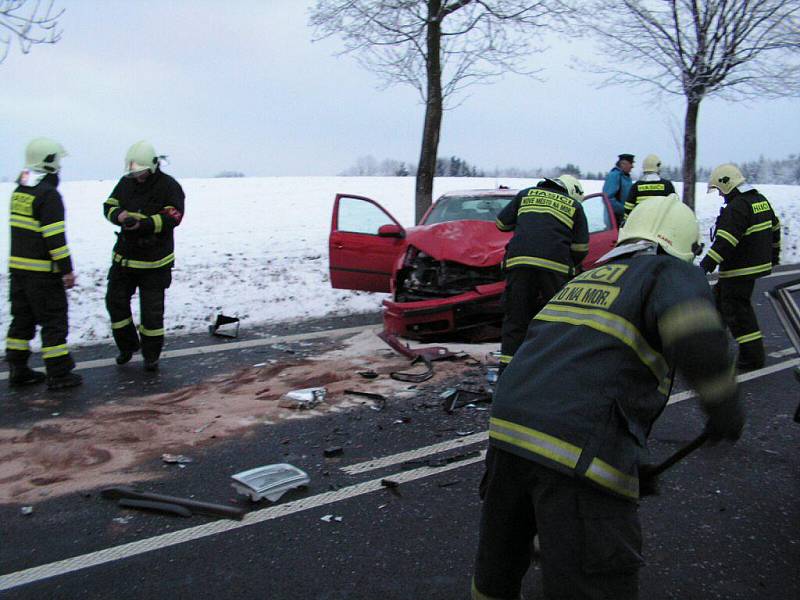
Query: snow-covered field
x,y
257,247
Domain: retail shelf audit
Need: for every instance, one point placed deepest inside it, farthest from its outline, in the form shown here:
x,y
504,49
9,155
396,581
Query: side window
x,y
360,216
596,214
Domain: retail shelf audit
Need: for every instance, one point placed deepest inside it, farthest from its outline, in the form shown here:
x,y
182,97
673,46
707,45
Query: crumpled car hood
x,y
471,243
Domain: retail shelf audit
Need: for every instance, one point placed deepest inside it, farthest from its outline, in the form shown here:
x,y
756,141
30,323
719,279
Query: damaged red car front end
x,y
445,274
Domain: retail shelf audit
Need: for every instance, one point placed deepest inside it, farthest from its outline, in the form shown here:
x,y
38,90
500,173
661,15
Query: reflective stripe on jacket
x,y
649,186
582,392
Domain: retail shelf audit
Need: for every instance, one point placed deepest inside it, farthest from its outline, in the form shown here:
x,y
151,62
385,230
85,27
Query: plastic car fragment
x,y
270,481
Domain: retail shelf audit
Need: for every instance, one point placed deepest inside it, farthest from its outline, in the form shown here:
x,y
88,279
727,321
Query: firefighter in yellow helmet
x,y
651,184
572,411
551,238
146,205
746,244
41,270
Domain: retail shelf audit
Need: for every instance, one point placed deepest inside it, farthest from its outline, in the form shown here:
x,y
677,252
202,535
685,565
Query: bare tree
x,y
29,23
437,46
734,49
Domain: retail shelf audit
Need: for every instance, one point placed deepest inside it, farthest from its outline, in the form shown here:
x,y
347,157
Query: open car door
x,y
603,226
364,242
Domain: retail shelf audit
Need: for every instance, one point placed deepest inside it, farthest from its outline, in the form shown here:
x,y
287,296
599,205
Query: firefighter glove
x,y
725,420
130,223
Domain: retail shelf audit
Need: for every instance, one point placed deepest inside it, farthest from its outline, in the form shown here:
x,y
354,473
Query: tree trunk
x,y
433,113
690,151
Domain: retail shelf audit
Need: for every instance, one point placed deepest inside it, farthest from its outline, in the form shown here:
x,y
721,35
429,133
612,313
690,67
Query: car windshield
x,y
461,208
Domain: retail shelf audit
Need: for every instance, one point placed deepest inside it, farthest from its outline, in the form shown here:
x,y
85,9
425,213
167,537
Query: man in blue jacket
x,y
618,184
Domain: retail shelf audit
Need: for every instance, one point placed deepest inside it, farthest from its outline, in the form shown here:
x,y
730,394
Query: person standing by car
x,y
147,205
40,271
551,238
618,184
651,185
572,412
746,244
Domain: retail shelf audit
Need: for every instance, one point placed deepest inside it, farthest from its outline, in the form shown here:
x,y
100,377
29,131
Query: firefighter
x,y
551,238
617,184
572,412
146,204
41,271
651,185
746,244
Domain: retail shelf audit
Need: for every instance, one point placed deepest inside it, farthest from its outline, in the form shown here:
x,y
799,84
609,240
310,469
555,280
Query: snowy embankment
x,y
257,247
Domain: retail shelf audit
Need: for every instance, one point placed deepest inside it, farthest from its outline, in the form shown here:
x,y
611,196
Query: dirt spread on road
x,y
111,444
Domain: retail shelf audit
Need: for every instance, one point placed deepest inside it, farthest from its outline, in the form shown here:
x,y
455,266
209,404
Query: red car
x,y
444,274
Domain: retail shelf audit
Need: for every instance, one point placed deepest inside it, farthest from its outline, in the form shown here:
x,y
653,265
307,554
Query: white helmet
x,y
651,164
570,185
725,178
140,157
666,221
44,155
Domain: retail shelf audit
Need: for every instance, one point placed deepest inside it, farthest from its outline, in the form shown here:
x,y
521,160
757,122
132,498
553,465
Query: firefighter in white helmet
x,y
746,245
651,184
147,205
572,411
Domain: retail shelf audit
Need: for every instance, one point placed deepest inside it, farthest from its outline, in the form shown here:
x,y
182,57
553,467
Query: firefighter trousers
x,y
527,291
39,299
590,541
151,283
733,302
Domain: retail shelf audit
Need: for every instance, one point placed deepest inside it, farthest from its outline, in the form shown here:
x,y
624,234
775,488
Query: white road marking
x,y
107,555
781,274
782,353
105,362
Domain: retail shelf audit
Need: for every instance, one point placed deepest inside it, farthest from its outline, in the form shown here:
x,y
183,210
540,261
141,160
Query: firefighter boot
x,y
24,375
61,382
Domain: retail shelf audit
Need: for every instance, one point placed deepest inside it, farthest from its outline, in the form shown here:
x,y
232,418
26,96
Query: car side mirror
x,y
391,230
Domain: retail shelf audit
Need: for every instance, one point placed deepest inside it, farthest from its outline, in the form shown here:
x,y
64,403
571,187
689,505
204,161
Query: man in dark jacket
x,y
618,184
651,185
41,270
572,412
551,238
746,245
147,204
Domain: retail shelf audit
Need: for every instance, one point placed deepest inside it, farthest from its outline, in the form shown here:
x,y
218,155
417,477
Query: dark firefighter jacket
x,y
649,186
583,390
550,230
38,238
157,203
746,237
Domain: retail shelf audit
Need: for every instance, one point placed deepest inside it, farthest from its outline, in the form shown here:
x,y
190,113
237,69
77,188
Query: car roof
x,y
486,192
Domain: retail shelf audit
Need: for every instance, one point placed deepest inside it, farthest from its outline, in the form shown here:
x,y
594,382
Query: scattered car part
x,y
162,507
454,398
225,326
176,459
415,377
270,481
648,474
368,374
431,352
785,299
380,399
333,451
303,399
207,508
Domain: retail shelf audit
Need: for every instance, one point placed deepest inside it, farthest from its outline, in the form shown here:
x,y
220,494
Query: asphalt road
x,y
725,525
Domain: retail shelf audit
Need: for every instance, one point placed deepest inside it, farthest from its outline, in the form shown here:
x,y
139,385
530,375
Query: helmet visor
x,y
134,169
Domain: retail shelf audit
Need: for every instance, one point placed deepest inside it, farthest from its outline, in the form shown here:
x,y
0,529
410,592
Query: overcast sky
x,y
240,86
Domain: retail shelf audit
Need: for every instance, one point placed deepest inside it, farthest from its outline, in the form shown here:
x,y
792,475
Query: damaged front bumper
x,y
477,309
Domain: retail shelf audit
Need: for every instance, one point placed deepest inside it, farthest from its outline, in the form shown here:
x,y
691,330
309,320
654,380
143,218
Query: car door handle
x,y
338,245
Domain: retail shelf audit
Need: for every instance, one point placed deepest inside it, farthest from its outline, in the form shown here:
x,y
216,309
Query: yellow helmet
x,y
666,221
572,186
651,164
725,178
140,157
44,155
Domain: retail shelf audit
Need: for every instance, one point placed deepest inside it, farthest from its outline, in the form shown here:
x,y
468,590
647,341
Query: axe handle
x,y
679,455
208,508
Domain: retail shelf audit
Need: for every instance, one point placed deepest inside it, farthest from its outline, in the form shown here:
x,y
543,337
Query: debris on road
x,y
270,481
26,510
329,518
195,506
225,326
333,451
453,398
380,399
430,352
303,399
160,507
368,374
415,377
176,459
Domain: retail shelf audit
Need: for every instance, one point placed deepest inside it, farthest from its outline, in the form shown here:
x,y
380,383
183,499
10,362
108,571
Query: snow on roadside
x,y
257,247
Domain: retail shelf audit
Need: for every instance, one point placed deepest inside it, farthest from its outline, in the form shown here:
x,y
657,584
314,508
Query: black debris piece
x,y
333,451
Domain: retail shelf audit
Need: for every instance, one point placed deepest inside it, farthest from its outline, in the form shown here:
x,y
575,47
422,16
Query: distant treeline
x,y
779,172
